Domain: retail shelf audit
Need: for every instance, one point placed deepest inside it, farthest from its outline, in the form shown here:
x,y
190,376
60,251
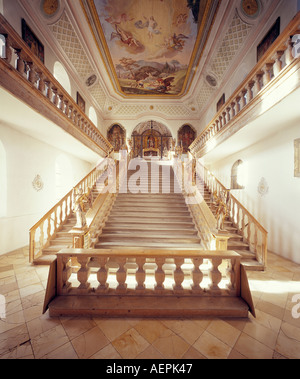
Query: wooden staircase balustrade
x,y
250,230
276,62
53,222
139,282
25,76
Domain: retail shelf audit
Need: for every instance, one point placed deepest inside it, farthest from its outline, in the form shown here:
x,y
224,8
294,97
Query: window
x,y
62,77
237,175
297,158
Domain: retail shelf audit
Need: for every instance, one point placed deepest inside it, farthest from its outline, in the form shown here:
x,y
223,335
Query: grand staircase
x,y
147,219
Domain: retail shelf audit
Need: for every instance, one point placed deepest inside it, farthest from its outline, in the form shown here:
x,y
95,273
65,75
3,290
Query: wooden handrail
x,y
105,259
235,199
273,65
32,73
235,209
60,212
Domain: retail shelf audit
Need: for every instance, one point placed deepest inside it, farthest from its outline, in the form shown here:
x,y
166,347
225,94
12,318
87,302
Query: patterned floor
x,y
26,333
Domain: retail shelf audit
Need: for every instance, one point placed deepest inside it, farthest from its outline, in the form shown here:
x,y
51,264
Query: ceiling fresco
x,y
150,47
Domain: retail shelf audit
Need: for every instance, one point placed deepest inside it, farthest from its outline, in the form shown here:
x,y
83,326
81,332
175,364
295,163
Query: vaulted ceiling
x,y
139,57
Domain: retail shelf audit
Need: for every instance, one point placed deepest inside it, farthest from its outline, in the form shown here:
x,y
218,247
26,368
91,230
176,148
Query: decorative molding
x,y
37,183
263,187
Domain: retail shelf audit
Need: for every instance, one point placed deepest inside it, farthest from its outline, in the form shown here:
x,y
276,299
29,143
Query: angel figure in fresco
x,y
119,19
150,24
125,37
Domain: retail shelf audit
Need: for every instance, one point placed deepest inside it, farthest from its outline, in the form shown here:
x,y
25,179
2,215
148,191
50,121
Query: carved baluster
x,y
249,91
233,112
66,274
197,275
228,109
20,65
55,96
7,52
74,118
255,239
238,107
70,113
277,67
221,122
159,274
215,275
266,73
230,274
83,273
61,104
41,84
178,275
49,228
140,274
31,74
102,274
48,91
224,118
121,275
249,231
66,107
289,52
243,97
42,235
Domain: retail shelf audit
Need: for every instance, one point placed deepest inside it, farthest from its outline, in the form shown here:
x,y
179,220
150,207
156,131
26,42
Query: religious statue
x,y
79,200
222,210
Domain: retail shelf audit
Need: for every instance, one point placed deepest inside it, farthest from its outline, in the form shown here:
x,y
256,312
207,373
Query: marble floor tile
x,y
26,333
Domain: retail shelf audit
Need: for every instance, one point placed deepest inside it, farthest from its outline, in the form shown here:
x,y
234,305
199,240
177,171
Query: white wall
x,y
27,157
278,211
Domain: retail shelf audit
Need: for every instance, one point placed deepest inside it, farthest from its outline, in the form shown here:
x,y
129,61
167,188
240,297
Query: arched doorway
x,y
150,139
186,136
116,135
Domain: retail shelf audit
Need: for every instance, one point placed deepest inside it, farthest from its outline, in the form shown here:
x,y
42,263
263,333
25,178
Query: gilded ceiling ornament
x,y
50,7
251,8
37,183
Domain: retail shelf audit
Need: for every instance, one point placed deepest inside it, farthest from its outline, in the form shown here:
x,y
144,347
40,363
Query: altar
x,y
151,152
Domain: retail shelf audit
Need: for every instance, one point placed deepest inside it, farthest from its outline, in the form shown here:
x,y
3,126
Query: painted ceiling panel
x,y
150,47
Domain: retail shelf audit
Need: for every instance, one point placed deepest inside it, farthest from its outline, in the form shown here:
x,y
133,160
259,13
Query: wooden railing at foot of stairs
x,y
252,231
139,282
46,228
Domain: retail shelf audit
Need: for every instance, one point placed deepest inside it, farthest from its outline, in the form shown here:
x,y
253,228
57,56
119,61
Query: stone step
x,y
165,238
129,229
155,212
135,218
115,244
153,223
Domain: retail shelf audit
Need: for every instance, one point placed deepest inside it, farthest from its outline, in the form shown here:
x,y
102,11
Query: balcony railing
x,y
24,75
279,60
148,282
